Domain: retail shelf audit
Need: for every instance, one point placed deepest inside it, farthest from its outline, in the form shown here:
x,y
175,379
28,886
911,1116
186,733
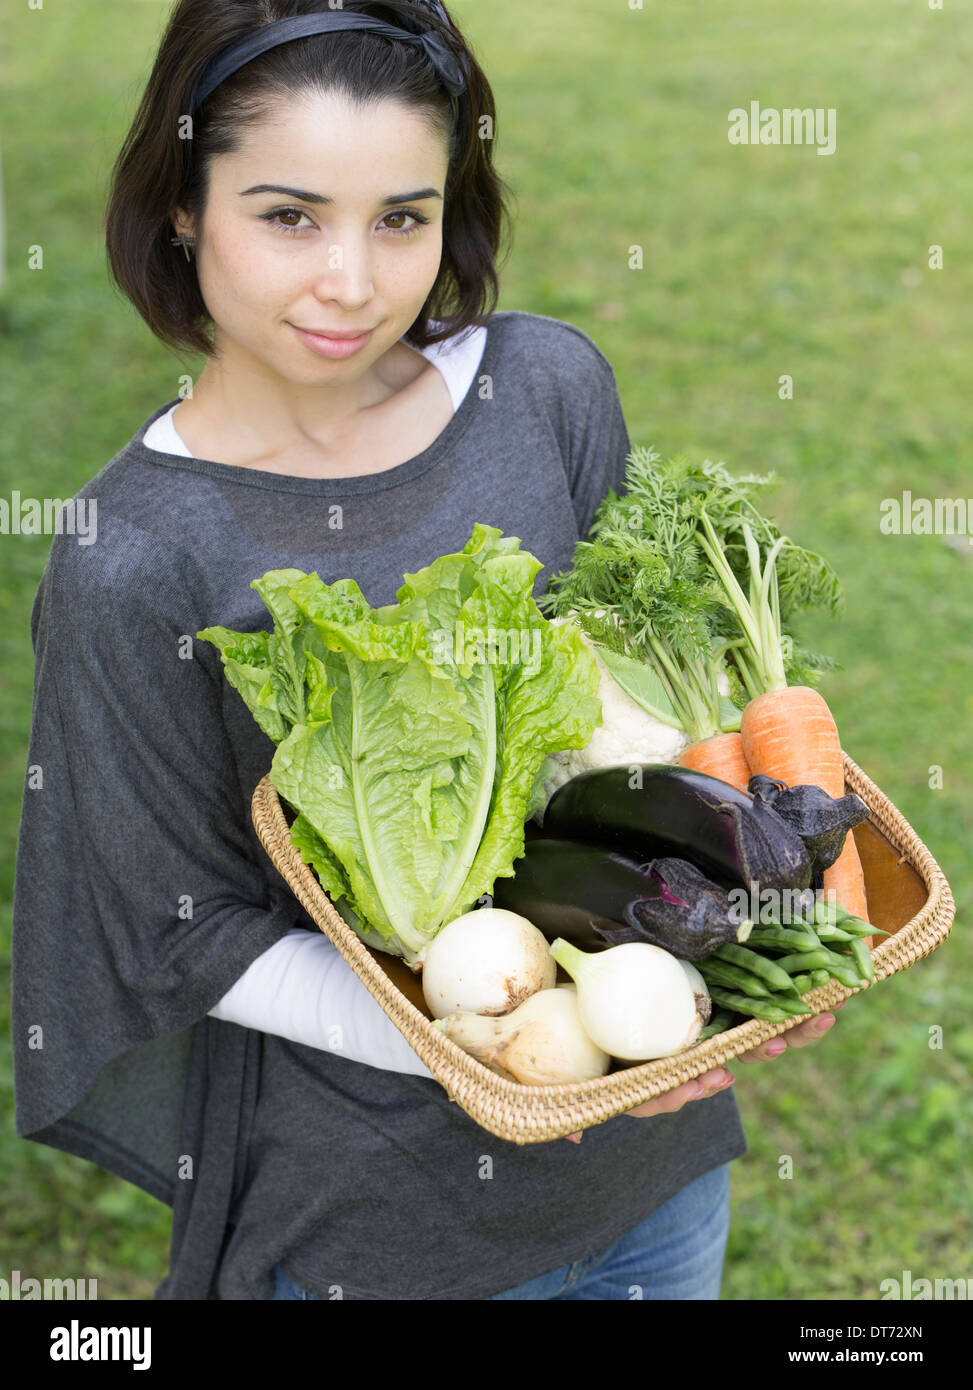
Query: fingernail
x,y
823,1024
724,1084
774,1049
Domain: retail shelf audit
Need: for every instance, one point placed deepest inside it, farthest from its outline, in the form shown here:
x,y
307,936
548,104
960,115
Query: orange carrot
x,y
790,734
720,756
847,882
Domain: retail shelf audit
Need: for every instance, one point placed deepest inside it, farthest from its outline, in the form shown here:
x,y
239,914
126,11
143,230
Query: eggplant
x,y
657,810
595,898
822,821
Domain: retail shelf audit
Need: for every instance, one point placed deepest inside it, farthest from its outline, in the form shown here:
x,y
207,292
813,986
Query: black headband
x,y
447,66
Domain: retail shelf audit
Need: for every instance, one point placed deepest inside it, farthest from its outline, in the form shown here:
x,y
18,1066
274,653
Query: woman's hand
x,y
807,1031
799,1035
701,1086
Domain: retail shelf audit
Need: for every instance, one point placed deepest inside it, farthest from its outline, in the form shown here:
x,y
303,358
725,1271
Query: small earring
x,y
185,242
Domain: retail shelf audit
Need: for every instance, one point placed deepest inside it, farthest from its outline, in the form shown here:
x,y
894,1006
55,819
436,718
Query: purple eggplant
x,y
596,898
652,811
822,821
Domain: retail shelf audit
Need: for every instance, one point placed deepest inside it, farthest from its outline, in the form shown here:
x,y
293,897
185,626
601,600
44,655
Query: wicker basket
x,y
907,893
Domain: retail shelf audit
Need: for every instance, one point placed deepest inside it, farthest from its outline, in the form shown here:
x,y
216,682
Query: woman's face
x,y
353,244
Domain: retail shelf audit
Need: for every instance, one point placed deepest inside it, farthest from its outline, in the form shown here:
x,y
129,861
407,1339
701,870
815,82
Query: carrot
x,y
721,756
847,882
790,734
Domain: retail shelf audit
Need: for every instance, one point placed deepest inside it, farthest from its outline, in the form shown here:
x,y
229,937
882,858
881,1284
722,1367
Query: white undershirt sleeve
x,y
303,989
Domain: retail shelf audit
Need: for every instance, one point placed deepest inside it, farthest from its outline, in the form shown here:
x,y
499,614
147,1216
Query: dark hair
x,y
157,172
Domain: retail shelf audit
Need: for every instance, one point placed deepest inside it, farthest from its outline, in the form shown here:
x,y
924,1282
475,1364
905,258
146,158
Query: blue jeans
x,y
676,1253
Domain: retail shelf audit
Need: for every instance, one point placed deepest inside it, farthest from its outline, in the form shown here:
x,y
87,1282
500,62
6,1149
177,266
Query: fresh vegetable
x,y
631,730
832,914
787,730
704,1005
753,1008
693,917
685,575
596,898
862,956
720,756
486,962
727,976
635,1001
790,734
410,737
822,821
820,959
640,587
542,1042
844,969
785,937
827,934
644,584
767,970
769,987
763,577
655,811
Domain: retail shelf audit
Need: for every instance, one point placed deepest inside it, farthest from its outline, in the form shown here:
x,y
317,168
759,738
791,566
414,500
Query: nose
x,y
347,275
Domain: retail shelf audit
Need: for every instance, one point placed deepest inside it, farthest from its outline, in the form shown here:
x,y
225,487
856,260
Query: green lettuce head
x,y
410,738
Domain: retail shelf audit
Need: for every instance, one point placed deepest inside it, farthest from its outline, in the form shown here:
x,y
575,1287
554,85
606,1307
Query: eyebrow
x,y
304,197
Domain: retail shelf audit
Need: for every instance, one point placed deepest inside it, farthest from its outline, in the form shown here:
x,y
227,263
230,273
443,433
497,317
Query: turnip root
x,y
486,962
636,1001
542,1042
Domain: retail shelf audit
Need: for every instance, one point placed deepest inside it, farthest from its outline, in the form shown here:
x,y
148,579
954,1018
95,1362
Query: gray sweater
x,y
142,893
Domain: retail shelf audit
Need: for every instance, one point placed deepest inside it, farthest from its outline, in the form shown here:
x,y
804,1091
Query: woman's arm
x,y
599,441
142,893
303,989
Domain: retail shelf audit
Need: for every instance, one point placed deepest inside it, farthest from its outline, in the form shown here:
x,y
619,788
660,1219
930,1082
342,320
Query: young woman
x,y
308,199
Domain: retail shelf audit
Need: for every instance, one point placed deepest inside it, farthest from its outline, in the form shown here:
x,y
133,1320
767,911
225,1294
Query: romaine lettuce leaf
x,y
378,784
246,663
411,736
315,852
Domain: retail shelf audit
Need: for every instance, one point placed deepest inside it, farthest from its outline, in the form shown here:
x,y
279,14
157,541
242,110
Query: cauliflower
x,y
627,735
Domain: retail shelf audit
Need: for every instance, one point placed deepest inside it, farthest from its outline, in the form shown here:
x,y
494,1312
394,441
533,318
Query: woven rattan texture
x,y
533,1114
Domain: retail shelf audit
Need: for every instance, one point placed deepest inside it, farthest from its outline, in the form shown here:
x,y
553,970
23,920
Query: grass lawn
x,y
757,263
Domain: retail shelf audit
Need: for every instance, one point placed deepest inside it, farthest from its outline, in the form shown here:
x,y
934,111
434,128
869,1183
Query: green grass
x,y
758,262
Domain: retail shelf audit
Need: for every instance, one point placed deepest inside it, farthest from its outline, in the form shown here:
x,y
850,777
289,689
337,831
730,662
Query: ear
x,y
182,224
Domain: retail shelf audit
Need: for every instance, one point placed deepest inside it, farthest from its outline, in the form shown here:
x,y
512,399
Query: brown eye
x,y
274,219
417,221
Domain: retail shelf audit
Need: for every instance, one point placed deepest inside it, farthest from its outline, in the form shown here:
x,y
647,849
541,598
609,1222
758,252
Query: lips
x,y
340,337
337,349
